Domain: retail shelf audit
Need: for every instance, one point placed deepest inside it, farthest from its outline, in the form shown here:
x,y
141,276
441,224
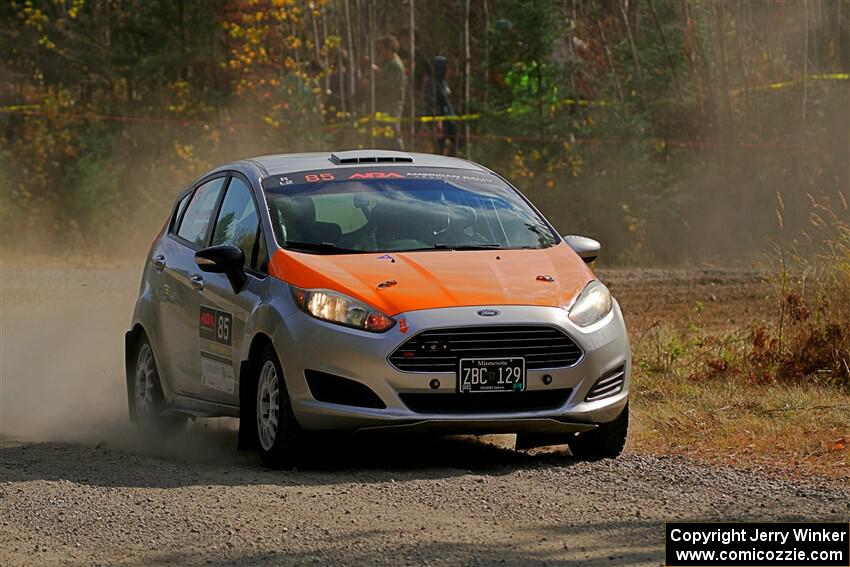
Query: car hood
x,y
399,282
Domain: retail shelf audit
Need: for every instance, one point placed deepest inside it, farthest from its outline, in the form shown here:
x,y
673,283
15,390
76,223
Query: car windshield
x,y
390,209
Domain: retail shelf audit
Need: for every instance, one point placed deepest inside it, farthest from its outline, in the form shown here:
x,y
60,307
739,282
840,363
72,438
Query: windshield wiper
x,y
482,246
476,246
326,247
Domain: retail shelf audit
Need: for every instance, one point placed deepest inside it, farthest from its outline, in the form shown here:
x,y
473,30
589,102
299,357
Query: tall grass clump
x,y
810,338
806,337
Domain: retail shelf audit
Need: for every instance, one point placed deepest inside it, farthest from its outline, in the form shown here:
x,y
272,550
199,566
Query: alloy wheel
x,y
145,383
268,405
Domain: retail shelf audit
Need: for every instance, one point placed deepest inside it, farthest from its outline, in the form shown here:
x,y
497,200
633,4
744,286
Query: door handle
x,y
159,262
198,282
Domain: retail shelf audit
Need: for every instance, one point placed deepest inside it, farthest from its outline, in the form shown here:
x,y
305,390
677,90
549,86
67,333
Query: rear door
x,y
179,299
224,312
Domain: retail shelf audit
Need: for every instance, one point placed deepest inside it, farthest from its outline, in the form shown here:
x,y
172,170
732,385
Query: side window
x,y
238,223
196,220
181,206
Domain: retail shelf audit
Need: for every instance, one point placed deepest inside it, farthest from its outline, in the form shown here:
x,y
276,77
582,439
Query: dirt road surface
x,y
79,486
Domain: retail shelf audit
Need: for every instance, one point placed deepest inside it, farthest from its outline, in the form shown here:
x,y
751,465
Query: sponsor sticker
x,y
216,326
217,374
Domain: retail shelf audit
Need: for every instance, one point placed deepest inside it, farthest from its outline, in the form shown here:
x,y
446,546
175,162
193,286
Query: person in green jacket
x,y
389,84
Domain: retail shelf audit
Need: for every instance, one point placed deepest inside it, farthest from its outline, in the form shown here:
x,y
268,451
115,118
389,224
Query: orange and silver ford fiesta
x,y
374,290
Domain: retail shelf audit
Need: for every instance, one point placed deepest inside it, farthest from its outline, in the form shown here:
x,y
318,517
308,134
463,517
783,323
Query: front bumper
x,y
308,343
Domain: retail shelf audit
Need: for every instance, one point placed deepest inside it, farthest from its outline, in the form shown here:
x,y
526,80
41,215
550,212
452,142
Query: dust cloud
x,y
61,362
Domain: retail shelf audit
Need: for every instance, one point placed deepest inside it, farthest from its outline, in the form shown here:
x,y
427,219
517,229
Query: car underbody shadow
x,y
205,454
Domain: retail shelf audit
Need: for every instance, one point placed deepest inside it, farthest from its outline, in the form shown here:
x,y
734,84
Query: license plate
x,y
491,375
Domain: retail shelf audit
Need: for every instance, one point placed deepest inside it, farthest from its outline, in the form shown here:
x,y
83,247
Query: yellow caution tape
x,y
791,83
18,107
585,102
380,117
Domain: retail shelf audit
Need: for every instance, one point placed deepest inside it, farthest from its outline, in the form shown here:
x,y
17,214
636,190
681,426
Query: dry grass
x,y
786,429
773,395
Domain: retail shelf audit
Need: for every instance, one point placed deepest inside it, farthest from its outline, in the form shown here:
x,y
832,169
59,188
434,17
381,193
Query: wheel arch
x,y
131,341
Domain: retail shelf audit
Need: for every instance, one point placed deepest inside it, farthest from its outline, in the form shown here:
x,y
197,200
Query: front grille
x,y
438,350
486,402
611,383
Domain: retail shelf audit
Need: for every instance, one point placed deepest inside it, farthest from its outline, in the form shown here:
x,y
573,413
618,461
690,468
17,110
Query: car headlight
x,y
592,304
341,309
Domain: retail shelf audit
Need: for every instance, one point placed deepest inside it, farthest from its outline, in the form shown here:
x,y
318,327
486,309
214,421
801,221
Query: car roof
x,y
282,164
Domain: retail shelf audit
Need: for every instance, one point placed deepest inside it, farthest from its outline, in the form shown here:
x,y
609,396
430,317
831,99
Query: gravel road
x,y
79,486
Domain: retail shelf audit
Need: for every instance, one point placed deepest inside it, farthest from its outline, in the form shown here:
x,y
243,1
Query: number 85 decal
x,y
215,325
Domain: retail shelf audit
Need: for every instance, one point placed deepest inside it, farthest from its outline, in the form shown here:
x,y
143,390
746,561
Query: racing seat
x,y
297,216
394,229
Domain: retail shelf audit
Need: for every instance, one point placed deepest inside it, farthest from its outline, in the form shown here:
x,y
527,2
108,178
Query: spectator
x,y
438,103
389,84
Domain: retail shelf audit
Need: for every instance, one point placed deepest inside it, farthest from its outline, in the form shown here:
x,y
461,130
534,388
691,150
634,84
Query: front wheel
x,y
604,442
280,438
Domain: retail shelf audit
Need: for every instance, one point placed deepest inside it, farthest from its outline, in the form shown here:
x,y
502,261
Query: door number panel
x,y
216,325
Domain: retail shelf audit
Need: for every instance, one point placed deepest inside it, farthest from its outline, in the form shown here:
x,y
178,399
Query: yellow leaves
x,y
75,7
32,16
265,41
332,42
45,42
271,121
576,165
183,151
293,42
838,444
234,30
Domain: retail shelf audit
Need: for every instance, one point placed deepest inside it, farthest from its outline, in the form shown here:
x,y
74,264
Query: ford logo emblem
x,y
488,312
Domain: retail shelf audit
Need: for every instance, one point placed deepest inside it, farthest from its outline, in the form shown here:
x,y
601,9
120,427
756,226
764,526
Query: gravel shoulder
x,y
78,486
452,501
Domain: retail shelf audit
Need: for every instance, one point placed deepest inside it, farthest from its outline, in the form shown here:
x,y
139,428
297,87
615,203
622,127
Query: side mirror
x,y
587,248
228,260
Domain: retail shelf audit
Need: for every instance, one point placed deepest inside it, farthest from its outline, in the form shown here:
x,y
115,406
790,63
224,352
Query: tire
x,y
148,400
280,439
604,442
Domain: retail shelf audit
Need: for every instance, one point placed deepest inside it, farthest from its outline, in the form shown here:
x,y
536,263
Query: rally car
x,y
374,290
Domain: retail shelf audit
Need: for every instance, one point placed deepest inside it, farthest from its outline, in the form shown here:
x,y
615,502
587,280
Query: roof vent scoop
x,y
370,156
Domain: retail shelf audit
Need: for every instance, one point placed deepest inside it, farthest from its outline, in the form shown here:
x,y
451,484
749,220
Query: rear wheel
x,y
148,400
604,442
280,438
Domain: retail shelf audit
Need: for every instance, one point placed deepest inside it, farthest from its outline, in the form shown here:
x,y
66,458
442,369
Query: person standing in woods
x,y
438,103
389,85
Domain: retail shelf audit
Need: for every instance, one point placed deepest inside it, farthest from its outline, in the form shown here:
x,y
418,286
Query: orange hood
x,y
442,278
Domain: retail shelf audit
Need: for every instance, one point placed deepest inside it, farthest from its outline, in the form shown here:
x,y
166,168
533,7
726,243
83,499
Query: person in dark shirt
x,y
438,103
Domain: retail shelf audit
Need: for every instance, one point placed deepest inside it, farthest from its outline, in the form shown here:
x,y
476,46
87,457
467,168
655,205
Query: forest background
x,y
672,130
